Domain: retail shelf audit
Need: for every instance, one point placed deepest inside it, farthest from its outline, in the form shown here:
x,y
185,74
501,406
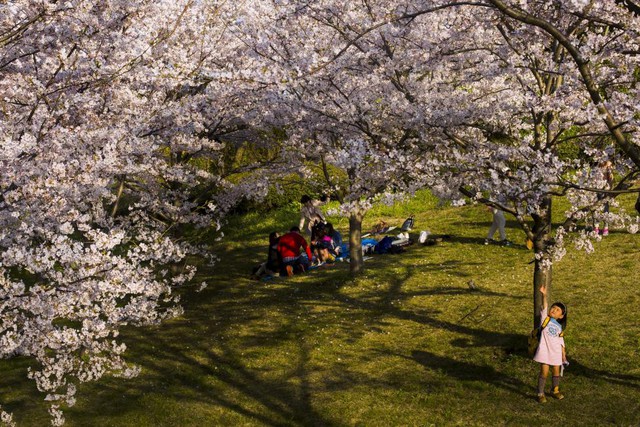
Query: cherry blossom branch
x,y
632,150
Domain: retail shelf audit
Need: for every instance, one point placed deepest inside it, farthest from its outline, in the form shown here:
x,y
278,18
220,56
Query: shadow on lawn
x,y
465,371
248,346
578,369
209,371
206,358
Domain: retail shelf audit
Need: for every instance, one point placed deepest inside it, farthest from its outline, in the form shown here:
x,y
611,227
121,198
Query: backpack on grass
x,y
383,246
407,225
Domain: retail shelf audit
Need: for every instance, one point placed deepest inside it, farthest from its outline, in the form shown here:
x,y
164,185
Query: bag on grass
x,y
383,246
407,225
534,337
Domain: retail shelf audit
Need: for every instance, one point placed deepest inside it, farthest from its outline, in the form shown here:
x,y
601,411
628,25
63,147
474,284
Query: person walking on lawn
x,y
497,225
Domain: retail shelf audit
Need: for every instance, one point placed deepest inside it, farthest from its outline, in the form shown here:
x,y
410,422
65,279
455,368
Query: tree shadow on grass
x,y
578,369
284,400
208,373
477,337
464,371
225,332
377,305
17,394
206,357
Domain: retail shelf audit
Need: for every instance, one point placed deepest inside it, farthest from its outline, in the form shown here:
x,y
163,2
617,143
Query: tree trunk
x,y
542,273
355,242
118,197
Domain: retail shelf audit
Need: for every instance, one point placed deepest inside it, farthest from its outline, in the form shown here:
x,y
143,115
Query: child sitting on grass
x,y
551,350
321,244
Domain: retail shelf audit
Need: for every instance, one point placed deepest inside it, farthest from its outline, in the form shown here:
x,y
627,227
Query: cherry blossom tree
x,y
601,40
520,124
581,55
105,107
114,116
342,97
459,88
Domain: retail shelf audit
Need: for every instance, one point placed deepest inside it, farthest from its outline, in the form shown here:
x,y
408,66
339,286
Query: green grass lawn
x,y
407,343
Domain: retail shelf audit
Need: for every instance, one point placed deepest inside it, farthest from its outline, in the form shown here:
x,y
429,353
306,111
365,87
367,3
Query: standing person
x,y
497,225
290,247
551,350
311,213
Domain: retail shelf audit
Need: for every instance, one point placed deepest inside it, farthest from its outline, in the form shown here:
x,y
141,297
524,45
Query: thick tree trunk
x,y
542,273
355,242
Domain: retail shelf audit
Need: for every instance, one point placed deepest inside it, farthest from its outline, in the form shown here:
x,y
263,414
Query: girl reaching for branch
x,y
551,350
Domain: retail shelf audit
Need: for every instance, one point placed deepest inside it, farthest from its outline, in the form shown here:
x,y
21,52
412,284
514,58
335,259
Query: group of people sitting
x,y
290,253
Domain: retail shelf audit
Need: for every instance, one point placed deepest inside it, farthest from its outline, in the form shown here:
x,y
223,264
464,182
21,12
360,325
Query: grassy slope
x,y
407,343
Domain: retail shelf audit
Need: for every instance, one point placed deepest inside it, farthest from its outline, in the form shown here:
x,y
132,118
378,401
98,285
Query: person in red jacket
x,y
290,248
